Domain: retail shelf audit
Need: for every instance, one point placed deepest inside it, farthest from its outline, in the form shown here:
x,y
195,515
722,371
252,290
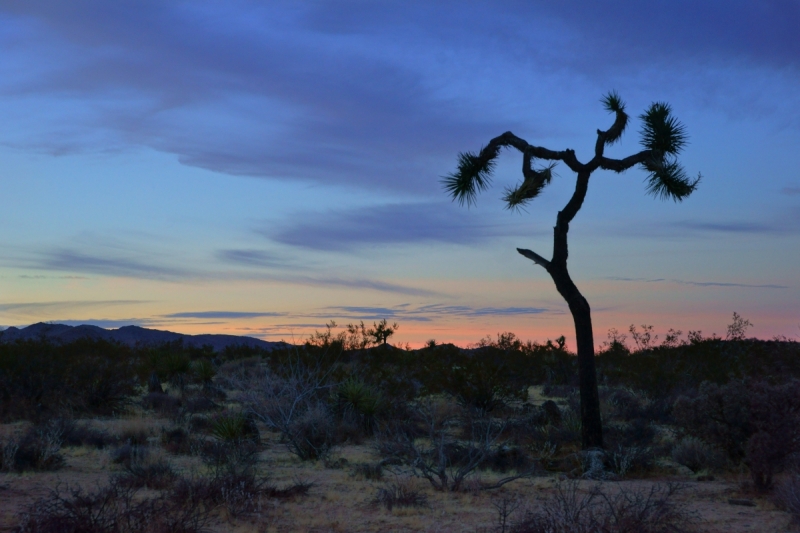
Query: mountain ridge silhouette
x,y
130,335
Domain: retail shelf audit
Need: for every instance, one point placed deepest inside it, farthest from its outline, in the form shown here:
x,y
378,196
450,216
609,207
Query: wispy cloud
x,y
221,314
106,265
387,225
257,258
701,283
791,191
428,313
129,261
733,227
39,307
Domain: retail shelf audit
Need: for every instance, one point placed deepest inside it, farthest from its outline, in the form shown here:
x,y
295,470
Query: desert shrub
x,y
369,471
176,440
239,494
559,390
110,509
697,455
638,432
39,379
441,457
37,449
82,434
718,414
136,434
152,474
787,496
775,413
231,457
294,401
128,453
400,494
626,460
626,403
506,458
200,404
312,435
619,510
163,404
200,424
756,421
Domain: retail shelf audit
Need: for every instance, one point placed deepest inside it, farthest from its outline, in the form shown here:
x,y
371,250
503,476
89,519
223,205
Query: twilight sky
x,y
260,168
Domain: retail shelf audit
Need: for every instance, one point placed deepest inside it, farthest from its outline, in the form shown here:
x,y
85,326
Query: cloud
x,y
702,283
261,94
758,32
77,261
734,227
221,314
791,191
428,313
256,258
40,307
372,95
387,225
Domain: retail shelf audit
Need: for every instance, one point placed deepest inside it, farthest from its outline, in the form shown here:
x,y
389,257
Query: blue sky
x,y
261,168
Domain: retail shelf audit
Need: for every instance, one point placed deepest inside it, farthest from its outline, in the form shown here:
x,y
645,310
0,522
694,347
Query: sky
x,y
262,168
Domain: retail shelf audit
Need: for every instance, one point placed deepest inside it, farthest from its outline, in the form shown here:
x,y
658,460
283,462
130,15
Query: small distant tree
x,y
381,331
737,328
662,139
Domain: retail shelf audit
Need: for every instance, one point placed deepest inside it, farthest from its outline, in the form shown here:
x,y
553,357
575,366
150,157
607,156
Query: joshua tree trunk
x,y
591,426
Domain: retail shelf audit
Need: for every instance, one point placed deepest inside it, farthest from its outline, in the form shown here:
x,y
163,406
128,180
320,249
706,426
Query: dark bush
x,y
110,509
697,455
39,379
718,414
787,496
601,510
200,404
240,494
162,403
156,474
312,436
400,494
637,432
176,441
369,471
81,434
127,453
37,449
237,457
756,421
506,458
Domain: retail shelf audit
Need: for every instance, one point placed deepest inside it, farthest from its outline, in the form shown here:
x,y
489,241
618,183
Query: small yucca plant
x,y
230,427
204,370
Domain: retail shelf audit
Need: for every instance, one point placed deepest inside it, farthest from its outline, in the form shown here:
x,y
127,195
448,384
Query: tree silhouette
x,y
381,331
662,139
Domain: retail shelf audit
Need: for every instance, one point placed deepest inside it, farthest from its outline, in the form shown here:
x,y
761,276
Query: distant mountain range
x,y
130,335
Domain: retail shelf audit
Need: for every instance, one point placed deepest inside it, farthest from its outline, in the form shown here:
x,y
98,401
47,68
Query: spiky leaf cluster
x,y
613,103
661,131
668,180
474,174
530,188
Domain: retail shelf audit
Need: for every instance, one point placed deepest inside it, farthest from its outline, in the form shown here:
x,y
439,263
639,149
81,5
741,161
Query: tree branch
x,y
509,139
536,258
621,165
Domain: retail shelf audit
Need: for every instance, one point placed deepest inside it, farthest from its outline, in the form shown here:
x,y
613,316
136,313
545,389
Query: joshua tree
x,y
662,138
